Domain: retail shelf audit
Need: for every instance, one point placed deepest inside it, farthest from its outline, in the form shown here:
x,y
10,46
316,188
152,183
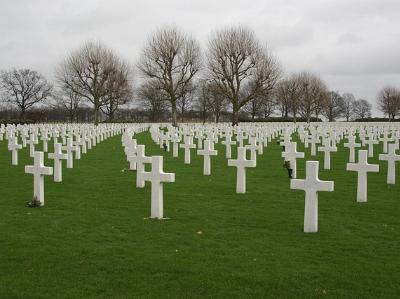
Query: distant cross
x,y
385,139
13,146
69,148
240,137
391,159
140,159
286,141
291,154
130,151
175,145
207,152
252,147
38,170
157,177
370,142
241,163
187,146
228,143
45,139
82,143
327,149
362,168
58,156
200,138
351,144
311,185
314,140
77,144
32,142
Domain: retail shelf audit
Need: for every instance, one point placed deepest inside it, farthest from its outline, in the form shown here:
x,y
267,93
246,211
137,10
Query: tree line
x,y
235,77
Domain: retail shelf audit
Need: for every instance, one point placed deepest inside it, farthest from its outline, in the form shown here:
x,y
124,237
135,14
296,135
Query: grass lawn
x,y
92,239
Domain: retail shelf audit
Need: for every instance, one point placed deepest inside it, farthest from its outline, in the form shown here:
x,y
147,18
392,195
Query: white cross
x,y
130,151
140,159
252,147
77,144
241,137
82,143
385,140
45,139
200,138
157,177
39,171
187,146
228,143
13,146
32,141
58,156
286,141
371,141
362,167
241,163
351,144
291,154
311,185
314,140
207,152
175,145
69,148
391,158
327,149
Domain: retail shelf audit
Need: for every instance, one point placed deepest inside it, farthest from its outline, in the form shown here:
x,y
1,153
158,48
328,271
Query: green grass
x,y
92,239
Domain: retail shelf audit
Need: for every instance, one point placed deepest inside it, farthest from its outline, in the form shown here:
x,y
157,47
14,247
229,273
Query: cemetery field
x,y
92,239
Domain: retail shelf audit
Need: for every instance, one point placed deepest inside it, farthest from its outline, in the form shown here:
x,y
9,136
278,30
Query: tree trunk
x,y
22,115
96,115
173,113
235,116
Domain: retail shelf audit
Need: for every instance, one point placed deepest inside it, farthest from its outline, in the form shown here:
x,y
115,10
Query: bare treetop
x,y
97,74
240,67
24,88
173,59
389,101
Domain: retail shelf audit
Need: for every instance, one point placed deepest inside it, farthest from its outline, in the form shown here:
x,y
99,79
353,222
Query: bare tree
x,y
202,100
186,100
262,106
389,101
268,107
333,105
240,67
153,99
362,109
288,97
282,98
172,59
253,108
312,92
119,89
68,101
348,105
24,88
91,72
217,102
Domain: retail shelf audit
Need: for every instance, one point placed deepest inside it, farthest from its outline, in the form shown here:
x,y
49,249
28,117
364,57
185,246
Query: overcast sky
x,y
354,45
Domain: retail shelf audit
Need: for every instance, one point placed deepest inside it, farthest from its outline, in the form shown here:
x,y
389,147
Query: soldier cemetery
x,y
199,149
157,210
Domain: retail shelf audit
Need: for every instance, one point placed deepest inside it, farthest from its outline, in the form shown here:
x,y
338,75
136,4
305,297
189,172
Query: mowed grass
x,y
93,238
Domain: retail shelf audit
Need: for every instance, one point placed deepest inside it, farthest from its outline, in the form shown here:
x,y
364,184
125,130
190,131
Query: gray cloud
x,y
353,45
